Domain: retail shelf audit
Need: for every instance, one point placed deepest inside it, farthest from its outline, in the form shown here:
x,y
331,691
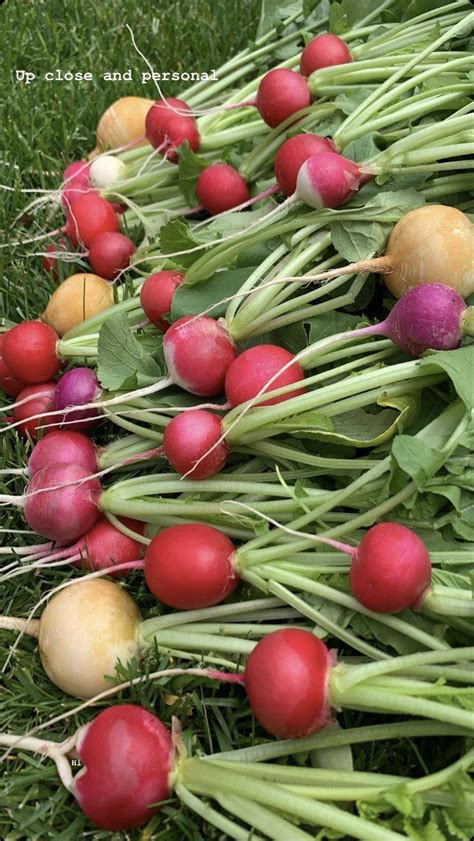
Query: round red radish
x,y
29,351
110,253
328,179
127,757
324,51
391,569
160,112
286,679
198,353
42,395
68,504
156,296
256,367
87,217
104,546
171,133
191,436
293,153
190,566
75,182
220,187
9,384
50,263
64,446
281,93
77,387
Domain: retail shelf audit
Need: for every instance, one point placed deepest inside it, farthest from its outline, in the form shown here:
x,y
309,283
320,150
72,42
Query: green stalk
x,y
207,813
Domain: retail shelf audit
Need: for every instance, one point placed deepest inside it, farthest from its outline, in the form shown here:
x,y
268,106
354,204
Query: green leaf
x,y
417,459
189,169
459,365
338,758
122,359
176,236
338,22
362,149
273,12
191,300
329,323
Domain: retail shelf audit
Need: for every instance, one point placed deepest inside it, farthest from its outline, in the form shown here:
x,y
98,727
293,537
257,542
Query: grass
x,y
44,126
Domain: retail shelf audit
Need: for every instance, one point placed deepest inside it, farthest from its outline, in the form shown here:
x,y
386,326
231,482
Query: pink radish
x,y
286,680
195,436
190,566
75,182
156,296
77,387
127,756
68,504
160,112
63,446
249,373
328,179
88,216
39,400
198,353
324,51
29,351
9,384
110,253
171,133
281,93
220,188
293,153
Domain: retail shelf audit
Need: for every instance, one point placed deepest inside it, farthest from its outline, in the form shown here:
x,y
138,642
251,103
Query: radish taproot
x,y
8,383
62,501
220,187
281,93
29,351
122,124
253,369
195,436
198,353
89,215
293,153
77,387
105,170
78,298
110,253
29,415
66,446
325,50
156,296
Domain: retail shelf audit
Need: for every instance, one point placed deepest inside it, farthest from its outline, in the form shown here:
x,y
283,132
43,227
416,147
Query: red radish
x,y
29,351
110,253
286,680
66,446
391,569
50,263
281,93
255,367
156,296
220,187
159,114
190,436
9,384
170,134
68,504
328,179
75,182
88,216
77,387
127,756
37,405
293,153
198,353
324,51
104,546
190,566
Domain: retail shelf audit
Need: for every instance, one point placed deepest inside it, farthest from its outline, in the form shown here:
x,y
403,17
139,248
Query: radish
x,y
328,179
127,755
167,132
198,353
29,352
220,188
195,436
38,401
88,216
10,385
293,153
63,446
104,546
123,123
74,388
68,504
324,51
159,114
75,182
190,566
105,170
292,683
156,296
110,254
50,260
78,298
281,93
255,367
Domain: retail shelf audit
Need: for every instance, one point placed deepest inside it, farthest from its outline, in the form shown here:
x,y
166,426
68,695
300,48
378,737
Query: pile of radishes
x,y
257,375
